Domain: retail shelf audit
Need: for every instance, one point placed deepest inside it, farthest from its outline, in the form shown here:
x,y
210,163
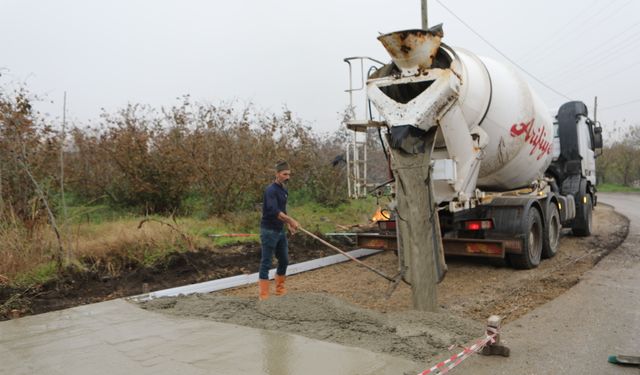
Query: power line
x,y
501,53
553,38
618,105
615,73
577,33
616,48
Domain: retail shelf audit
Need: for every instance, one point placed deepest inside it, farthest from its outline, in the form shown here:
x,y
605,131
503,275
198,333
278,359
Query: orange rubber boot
x,y
280,289
264,289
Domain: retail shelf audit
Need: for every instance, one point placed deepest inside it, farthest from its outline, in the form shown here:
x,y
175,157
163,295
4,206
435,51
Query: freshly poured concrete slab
x,y
117,337
235,281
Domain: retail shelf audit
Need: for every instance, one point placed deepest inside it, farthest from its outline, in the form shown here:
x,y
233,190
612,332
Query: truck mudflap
x,y
377,241
488,248
474,247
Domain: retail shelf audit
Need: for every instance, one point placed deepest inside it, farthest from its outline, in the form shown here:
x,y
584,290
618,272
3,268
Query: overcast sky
x,y
284,52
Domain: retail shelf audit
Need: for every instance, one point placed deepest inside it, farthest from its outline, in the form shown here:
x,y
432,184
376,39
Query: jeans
x,y
273,242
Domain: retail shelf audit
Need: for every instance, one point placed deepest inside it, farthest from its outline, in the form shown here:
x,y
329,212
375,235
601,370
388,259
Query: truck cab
x,y
573,168
576,140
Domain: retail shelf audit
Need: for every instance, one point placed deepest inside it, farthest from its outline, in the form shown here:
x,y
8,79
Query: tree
x,y
620,162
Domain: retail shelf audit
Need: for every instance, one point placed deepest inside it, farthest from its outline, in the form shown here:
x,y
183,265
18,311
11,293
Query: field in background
x,y
117,239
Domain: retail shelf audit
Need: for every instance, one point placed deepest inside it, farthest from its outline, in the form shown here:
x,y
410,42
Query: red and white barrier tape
x,y
446,365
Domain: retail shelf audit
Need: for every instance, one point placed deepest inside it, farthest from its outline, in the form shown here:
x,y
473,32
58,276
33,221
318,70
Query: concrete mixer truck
x,y
480,166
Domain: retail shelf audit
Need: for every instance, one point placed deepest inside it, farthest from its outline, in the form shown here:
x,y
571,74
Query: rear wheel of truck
x,y
582,223
551,237
532,244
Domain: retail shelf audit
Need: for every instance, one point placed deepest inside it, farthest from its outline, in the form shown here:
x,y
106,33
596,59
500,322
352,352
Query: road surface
x,y
576,332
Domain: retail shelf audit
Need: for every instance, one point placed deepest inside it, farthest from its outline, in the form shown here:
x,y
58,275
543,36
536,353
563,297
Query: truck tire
x,y
551,238
582,223
532,244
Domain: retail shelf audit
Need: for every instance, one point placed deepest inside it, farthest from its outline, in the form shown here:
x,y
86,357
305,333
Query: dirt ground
x,y
96,280
473,287
345,303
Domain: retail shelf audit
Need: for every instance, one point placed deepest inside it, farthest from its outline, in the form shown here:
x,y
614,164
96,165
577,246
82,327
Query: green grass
x,y
318,218
39,275
616,188
99,232
241,222
79,210
94,214
312,216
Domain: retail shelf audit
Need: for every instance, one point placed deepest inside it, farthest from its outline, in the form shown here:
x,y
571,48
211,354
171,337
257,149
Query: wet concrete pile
x,y
415,335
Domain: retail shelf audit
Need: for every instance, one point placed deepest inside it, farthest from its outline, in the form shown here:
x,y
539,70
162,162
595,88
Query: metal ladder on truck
x,y
359,121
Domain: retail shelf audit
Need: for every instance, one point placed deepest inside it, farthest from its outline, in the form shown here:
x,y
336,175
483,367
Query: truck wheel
x,y
551,237
582,223
532,249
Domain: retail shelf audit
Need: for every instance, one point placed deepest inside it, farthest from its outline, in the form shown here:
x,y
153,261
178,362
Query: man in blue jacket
x,y
272,235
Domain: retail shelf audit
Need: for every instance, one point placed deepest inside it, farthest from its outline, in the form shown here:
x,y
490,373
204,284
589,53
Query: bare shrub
x,y
620,159
223,154
28,149
25,141
135,160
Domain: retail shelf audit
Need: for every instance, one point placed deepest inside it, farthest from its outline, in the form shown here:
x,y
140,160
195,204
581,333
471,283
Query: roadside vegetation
x,y
145,182
618,167
617,188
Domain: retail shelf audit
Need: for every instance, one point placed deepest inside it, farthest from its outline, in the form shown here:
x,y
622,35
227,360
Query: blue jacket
x,y
274,202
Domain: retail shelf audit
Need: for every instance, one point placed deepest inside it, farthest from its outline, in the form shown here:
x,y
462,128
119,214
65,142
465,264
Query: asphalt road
x,y
576,332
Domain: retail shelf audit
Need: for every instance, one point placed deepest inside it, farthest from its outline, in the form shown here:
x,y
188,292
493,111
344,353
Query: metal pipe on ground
x,y
232,235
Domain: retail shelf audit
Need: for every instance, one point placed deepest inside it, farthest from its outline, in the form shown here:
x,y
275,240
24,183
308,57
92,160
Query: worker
x,y
272,235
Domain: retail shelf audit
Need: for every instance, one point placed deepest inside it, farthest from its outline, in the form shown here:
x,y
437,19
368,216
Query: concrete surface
x,y
117,337
241,280
576,332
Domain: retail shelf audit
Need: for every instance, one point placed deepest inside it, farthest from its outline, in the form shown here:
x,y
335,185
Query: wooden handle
x,y
380,273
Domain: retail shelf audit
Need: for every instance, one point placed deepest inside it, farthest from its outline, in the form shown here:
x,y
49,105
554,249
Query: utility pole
x,y
595,110
425,18
1,196
63,136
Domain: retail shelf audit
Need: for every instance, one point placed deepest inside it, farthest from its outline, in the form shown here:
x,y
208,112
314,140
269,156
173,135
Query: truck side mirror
x,y
597,137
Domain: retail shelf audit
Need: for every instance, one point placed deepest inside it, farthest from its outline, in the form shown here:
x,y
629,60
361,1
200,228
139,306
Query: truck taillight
x,y
387,225
478,224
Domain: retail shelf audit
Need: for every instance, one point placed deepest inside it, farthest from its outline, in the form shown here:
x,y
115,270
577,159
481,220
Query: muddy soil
x,y
103,279
345,303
